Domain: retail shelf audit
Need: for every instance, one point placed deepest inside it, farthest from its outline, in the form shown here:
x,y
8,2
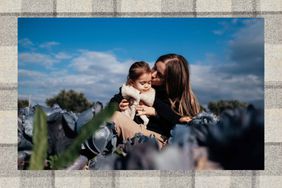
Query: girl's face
x,y
143,83
158,73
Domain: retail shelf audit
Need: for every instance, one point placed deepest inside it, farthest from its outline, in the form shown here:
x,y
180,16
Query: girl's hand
x,y
185,119
145,110
123,105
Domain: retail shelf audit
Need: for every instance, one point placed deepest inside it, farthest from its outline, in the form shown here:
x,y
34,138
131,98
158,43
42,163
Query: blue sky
x,y
92,55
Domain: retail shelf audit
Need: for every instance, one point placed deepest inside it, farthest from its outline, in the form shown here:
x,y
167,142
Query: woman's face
x,y
158,73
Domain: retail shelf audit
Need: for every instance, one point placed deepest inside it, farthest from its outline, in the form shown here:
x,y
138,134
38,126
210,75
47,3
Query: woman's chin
x,y
156,83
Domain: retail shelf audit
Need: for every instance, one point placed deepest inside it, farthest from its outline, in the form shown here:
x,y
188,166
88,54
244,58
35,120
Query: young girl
x,y
138,90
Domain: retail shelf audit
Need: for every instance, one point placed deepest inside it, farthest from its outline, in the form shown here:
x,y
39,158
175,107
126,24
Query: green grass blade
x,y
40,140
72,152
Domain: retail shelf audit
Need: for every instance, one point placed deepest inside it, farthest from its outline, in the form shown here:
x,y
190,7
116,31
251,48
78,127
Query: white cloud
x,y
37,58
239,73
218,32
211,85
46,60
96,62
26,43
224,27
97,74
27,74
63,56
49,45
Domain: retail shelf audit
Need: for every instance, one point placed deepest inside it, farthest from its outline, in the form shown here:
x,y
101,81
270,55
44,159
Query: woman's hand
x,y
123,105
145,110
185,119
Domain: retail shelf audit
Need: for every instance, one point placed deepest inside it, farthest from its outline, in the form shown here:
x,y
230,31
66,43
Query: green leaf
x,y
40,140
72,152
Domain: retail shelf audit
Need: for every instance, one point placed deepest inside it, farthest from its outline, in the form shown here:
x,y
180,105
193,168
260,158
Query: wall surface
x,y
10,10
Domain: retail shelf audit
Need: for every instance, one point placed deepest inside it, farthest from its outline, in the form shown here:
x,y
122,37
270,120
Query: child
x,y
138,89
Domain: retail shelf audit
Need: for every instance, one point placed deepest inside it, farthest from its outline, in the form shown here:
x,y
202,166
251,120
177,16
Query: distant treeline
x,y
77,102
219,106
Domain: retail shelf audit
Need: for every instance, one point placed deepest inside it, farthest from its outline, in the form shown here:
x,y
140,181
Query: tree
x,y
70,101
219,106
22,103
202,109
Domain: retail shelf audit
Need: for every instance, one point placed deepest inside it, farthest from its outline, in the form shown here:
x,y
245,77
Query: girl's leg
x,y
126,128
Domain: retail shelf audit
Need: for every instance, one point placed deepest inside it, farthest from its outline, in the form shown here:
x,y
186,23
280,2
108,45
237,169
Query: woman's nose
x,y
154,74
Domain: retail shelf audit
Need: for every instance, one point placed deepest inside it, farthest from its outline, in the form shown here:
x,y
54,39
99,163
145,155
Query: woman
x,y
174,102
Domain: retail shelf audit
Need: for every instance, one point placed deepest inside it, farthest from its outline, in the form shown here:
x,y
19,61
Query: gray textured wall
x,y
10,10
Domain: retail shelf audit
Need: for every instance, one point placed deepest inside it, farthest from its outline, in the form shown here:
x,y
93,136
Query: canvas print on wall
x,y
141,93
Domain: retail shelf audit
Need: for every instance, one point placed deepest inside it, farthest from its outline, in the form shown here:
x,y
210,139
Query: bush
x,y
70,101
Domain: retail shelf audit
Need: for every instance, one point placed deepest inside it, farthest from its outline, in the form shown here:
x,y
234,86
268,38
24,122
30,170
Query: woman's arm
x,y
162,109
123,103
185,119
117,97
145,110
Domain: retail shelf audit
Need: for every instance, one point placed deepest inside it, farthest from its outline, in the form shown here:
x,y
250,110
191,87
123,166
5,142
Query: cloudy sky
x,y
226,55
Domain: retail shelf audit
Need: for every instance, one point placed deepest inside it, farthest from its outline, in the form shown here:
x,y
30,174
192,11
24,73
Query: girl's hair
x,y
136,70
177,85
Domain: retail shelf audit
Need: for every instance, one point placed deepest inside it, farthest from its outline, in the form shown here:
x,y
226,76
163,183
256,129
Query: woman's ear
x,y
130,82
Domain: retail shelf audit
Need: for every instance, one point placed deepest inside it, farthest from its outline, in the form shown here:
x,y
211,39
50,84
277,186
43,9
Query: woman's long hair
x,y
178,86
